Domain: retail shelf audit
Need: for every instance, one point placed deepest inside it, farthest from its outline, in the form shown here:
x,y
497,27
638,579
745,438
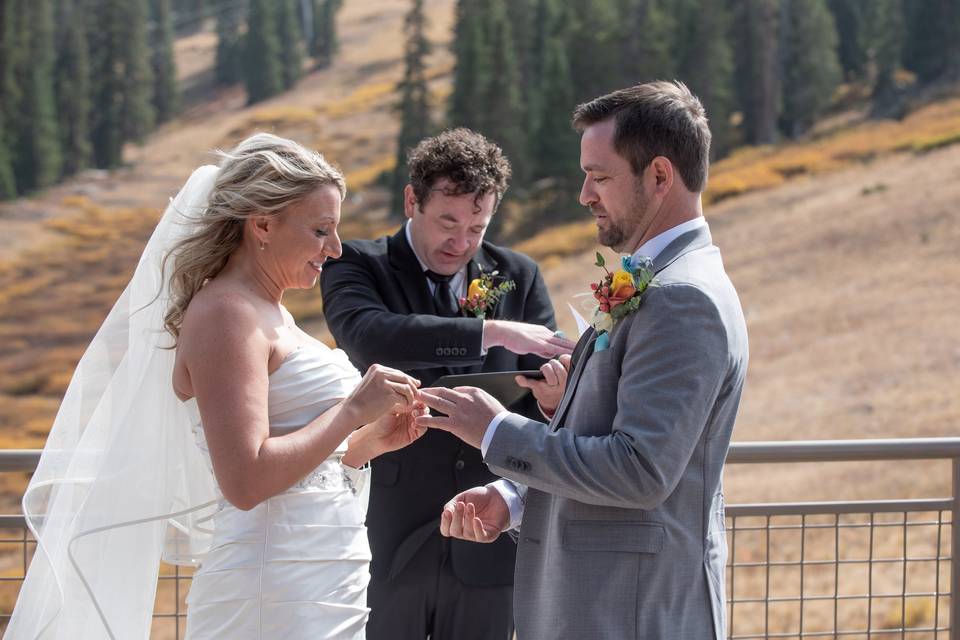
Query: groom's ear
x,y
661,174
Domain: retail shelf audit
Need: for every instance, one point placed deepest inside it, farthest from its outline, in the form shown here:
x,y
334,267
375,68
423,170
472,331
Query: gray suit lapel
x,y
587,341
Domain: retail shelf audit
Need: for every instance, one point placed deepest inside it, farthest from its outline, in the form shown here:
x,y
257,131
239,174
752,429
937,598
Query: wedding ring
x,y
559,334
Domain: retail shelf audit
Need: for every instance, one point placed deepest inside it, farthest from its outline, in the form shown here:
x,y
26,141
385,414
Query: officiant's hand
x,y
523,337
548,391
468,412
479,515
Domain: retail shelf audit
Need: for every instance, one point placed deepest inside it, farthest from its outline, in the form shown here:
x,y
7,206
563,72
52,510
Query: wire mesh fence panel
x,y
849,574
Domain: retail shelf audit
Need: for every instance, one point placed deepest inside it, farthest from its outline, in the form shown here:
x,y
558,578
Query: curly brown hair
x,y
468,160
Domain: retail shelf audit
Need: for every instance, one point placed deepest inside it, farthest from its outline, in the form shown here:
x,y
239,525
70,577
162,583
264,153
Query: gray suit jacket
x,y
623,526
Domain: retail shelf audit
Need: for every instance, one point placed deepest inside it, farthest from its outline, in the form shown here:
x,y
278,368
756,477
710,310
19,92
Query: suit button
x,y
463,351
439,351
459,465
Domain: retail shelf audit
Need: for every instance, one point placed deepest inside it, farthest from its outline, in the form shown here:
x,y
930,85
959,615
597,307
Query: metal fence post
x,y
954,555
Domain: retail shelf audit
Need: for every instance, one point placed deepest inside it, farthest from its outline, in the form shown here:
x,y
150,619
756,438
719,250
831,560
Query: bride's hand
x,y
382,390
393,431
389,432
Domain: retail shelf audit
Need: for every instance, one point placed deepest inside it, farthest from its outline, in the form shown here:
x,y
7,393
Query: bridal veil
x,y
121,483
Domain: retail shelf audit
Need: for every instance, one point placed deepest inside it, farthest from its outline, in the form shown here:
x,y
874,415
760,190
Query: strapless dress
x,y
296,565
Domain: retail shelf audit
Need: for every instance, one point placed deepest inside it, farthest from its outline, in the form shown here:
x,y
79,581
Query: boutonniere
x,y
484,292
618,295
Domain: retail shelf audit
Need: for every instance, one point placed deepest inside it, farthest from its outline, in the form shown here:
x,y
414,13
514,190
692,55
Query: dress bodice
x,y
309,381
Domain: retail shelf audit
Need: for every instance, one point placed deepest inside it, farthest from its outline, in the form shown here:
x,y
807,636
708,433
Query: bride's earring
x,y
263,245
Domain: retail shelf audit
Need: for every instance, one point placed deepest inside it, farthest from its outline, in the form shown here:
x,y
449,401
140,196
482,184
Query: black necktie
x,y
443,298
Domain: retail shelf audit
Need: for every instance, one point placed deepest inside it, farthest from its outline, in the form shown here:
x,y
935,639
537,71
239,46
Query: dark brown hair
x,y
655,119
468,160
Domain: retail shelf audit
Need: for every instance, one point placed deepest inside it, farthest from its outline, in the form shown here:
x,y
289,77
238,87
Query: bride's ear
x,y
261,228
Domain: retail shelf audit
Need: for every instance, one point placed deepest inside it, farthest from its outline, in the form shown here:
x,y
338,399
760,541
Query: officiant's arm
x,y
673,369
365,327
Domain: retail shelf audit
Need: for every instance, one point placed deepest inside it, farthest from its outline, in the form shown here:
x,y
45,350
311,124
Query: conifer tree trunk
x,y
415,101
166,97
72,85
262,71
289,35
36,159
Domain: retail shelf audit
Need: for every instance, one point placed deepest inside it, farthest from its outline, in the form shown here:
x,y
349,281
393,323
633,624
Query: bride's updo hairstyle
x,y
260,177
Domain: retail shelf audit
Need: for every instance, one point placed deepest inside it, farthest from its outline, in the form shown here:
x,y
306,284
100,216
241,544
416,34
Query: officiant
x,y
436,299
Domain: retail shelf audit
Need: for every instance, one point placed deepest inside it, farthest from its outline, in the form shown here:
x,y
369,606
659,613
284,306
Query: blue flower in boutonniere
x,y
484,292
618,294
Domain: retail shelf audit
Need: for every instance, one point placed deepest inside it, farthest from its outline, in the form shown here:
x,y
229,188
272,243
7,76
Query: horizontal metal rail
x,y
762,522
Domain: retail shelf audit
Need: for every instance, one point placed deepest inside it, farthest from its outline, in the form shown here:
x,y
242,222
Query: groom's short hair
x,y
655,119
471,162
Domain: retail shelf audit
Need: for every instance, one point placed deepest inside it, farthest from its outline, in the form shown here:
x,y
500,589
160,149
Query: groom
x,y
619,498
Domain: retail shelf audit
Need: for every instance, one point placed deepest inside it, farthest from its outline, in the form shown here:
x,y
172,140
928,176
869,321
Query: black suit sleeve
x,y
359,317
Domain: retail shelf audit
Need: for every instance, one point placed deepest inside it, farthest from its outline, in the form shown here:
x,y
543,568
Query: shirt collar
x,y
652,247
457,282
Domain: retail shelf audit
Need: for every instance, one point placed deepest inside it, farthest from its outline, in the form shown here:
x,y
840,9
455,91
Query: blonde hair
x,y
263,175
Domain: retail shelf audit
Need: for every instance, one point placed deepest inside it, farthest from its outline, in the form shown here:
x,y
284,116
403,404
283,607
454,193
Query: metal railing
x,y
845,569
795,570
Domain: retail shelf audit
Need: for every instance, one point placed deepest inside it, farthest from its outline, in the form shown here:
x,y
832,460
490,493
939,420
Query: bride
x,y
203,427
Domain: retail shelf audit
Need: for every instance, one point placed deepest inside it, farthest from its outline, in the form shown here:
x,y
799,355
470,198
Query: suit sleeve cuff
x,y
508,491
491,430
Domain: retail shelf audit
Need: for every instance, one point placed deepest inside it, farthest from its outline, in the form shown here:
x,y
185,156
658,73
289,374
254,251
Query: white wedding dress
x,y
296,565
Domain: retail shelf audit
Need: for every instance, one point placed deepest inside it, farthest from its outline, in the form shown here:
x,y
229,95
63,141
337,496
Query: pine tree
x,y
706,63
262,72
289,35
325,44
123,81
227,68
933,42
848,16
883,29
472,64
500,99
415,102
758,66
595,33
8,187
72,83
36,153
166,96
139,115
554,143
811,68
9,97
646,42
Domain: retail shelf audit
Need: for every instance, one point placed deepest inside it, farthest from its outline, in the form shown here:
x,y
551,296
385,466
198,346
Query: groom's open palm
x,y
479,515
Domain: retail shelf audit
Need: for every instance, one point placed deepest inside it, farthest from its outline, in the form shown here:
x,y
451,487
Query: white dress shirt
x,y
650,249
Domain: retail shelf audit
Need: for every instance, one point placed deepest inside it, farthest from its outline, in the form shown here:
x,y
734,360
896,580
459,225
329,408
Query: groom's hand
x,y
468,412
479,515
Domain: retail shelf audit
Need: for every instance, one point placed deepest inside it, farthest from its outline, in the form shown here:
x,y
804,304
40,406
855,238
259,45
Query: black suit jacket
x,y
379,309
